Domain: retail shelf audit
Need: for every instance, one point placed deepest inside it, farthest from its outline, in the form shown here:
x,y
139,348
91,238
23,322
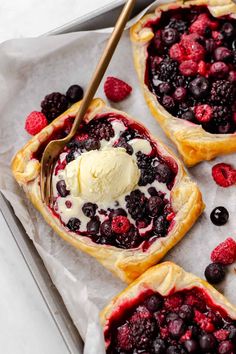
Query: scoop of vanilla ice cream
x,y
102,175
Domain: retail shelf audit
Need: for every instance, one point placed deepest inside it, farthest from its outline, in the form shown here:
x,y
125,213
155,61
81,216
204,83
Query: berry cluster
x,y
176,324
192,67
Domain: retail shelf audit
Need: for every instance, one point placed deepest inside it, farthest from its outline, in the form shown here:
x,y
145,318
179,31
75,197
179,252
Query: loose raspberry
x,y
173,302
188,68
116,90
202,68
203,113
225,252
221,334
35,122
224,175
120,224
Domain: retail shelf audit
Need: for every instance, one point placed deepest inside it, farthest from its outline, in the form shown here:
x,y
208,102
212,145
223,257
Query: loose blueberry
x,y
74,93
61,188
219,216
89,209
215,273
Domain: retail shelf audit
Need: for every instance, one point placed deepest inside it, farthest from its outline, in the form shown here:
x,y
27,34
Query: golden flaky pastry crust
x,y
192,141
164,278
127,264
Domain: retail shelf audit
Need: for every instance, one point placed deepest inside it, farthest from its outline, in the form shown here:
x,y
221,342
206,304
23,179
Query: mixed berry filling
x,y
191,67
181,323
130,215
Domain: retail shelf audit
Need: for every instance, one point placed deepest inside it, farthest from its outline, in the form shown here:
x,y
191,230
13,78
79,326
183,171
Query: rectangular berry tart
x,y
169,311
185,56
118,193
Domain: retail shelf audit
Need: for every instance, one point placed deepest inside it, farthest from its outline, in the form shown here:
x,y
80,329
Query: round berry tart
x,y
169,311
185,56
118,193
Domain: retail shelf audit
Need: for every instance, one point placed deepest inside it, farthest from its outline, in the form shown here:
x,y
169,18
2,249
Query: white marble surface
x,y
26,326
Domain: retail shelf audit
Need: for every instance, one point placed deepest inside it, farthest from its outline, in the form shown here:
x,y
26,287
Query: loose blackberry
x,y
53,105
136,203
222,92
179,25
221,115
167,70
99,129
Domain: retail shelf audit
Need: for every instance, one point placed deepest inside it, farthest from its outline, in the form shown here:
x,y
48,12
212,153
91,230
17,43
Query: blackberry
x,y
143,330
100,129
143,161
70,156
53,105
179,25
222,92
167,70
130,239
75,144
136,203
160,226
146,176
221,115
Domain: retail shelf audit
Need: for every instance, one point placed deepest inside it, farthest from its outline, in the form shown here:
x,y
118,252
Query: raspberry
x,y
201,24
203,321
173,302
124,337
225,252
177,52
203,113
116,90
224,175
120,224
221,334
188,68
35,122
195,301
202,68
194,51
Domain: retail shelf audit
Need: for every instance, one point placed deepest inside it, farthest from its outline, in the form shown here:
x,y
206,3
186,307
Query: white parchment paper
x,y
31,68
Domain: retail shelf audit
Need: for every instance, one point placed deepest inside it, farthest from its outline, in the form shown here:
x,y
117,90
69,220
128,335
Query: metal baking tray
x,y
105,17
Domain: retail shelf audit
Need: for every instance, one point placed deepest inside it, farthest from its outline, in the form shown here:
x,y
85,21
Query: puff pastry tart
x,y
119,194
185,56
169,311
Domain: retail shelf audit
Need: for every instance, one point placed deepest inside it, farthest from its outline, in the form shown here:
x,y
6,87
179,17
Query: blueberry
x,y
226,347
154,302
74,224
92,144
227,29
61,188
191,345
171,317
89,209
189,116
180,94
168,102
117,212
219,216
207,342
199,87
169,36
215,273
176,328
93,226
186,312
159,346
225,129
152,191
154,205
173,350
105,228
74,93
232,332
222,54
164,88
163,173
